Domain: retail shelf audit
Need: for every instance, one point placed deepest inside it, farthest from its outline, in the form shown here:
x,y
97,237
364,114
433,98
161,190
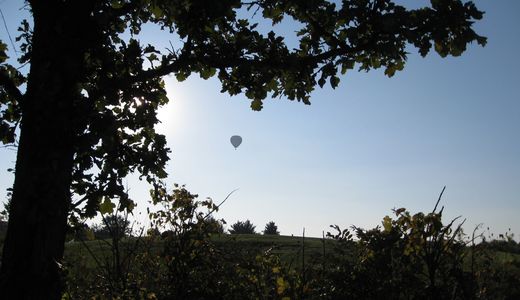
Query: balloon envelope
x,y
236,140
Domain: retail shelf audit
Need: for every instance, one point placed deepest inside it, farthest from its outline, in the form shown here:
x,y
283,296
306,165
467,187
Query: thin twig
x,y
439,200
218,206
9,34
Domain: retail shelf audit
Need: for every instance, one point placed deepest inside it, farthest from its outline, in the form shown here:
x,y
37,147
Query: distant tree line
x,y
120,226
246,227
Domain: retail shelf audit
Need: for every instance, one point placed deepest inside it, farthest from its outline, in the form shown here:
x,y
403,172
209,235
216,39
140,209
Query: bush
x,y
413,257
215,226
183,263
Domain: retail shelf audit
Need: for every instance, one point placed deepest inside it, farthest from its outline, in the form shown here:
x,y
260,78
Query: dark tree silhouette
x,y
112,226
271,228
242,228
87,107
214,226
3,229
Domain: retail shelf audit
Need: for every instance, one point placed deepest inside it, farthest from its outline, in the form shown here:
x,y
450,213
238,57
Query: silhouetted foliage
x,y
215,226
3,230
510,246
241,227
94,90
271,228
81,232
153,232
505,242
413,257
183,264
410,256
112,225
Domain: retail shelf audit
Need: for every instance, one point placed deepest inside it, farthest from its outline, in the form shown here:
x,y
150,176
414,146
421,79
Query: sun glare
x,y
173,114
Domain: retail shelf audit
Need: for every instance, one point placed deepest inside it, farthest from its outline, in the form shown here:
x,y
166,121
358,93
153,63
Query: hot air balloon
x,y
236,140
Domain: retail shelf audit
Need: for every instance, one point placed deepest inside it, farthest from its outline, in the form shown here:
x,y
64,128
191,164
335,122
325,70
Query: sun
x,y
173,114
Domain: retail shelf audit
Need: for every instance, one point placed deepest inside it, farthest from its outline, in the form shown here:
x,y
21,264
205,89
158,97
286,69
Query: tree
x,y
214,226
113,226
81,232
242,228
271,228
86,110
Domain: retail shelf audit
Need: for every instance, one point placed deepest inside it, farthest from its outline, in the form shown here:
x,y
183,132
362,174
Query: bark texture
x,y
41,198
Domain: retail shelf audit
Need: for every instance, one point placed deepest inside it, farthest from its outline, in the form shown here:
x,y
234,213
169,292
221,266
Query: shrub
x,y
413,256
215,226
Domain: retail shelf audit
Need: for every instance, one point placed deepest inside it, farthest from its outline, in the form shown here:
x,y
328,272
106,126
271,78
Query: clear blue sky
x,y
358,151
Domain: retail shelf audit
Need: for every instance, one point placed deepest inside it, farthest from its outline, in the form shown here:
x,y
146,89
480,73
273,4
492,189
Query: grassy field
x,y
90,265
290,249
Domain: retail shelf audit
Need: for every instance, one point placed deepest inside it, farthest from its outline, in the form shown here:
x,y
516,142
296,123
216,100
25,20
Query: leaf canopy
x,y
121,82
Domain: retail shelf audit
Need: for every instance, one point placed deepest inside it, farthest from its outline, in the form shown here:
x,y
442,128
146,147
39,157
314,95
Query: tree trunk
x,y
41,198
